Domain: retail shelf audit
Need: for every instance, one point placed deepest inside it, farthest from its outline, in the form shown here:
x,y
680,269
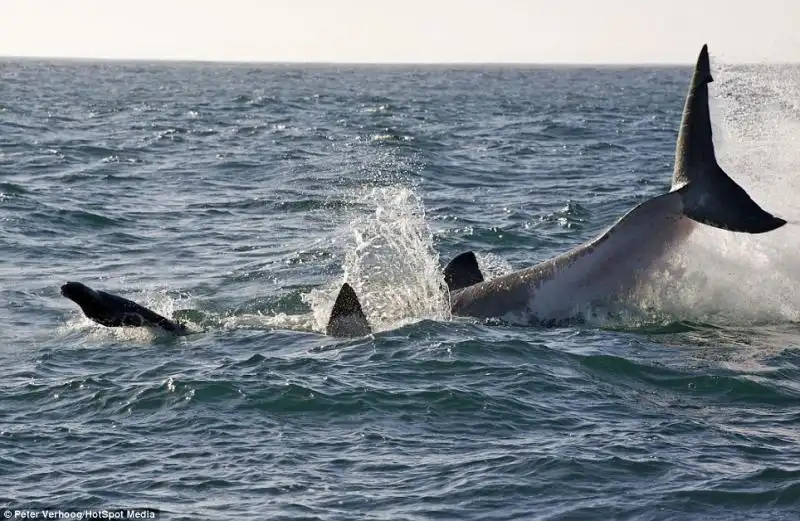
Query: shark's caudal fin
x,y
462,271
347,318
709,195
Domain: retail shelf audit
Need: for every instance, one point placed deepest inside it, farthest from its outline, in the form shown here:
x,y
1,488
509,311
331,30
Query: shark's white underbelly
x,y
597,271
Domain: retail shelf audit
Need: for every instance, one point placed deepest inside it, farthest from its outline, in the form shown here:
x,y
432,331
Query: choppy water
x,y
240,197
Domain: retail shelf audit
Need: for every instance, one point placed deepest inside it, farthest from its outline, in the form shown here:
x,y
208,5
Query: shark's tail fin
x,y
347,318
462,271
709,195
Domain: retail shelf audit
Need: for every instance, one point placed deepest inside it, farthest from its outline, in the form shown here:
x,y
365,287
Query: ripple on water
x,y
240,197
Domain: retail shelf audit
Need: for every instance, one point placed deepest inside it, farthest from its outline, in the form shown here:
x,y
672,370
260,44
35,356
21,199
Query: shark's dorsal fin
x,y
709,195
347,318
462,271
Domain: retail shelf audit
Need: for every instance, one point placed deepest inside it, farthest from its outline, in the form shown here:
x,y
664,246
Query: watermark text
x,y
78,514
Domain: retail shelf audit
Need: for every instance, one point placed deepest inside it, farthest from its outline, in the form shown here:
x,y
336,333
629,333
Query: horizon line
x,y
156,61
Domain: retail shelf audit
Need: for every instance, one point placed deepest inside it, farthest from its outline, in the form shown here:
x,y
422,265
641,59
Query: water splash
x,y
493,266
735,277
257,321
390,261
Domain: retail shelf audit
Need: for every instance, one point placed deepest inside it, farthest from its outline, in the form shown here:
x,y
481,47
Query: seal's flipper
x,y
709,195
132,320
347,318
462,271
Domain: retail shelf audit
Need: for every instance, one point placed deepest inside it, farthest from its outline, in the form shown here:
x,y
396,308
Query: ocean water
x,y
239,197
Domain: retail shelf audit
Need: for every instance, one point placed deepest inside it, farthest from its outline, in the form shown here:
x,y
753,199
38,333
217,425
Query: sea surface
x,y
240,197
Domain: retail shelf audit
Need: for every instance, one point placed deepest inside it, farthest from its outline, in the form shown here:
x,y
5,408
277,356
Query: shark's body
x,y
611,264
607,266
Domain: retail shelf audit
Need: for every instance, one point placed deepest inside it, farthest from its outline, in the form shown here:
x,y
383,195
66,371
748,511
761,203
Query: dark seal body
x,y
114,311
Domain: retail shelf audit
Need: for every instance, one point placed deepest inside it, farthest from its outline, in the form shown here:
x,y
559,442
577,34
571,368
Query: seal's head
x,y
79,293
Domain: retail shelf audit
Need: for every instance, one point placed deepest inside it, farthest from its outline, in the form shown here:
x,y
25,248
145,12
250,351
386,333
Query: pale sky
x,y
388,31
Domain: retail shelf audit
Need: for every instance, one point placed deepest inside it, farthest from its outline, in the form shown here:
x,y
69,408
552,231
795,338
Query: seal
x,y
114,311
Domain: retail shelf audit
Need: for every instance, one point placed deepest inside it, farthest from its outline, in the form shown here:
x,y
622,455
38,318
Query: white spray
x,y
735,277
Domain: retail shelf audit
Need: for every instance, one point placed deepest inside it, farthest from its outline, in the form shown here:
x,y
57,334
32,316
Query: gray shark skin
x,y
347,318
610,265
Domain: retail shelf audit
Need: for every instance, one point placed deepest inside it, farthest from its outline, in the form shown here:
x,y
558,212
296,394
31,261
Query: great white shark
x,y
611,265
